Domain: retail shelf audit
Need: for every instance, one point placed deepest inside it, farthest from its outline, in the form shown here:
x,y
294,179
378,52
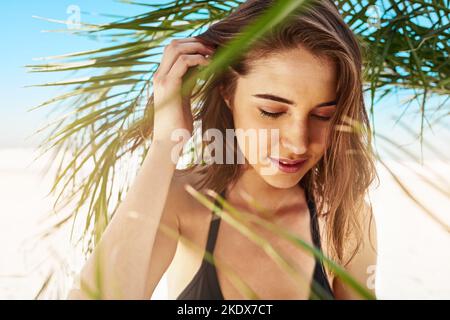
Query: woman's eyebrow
x,y
273,97
287,101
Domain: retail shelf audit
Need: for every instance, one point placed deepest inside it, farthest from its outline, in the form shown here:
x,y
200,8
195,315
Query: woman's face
x,y
294,92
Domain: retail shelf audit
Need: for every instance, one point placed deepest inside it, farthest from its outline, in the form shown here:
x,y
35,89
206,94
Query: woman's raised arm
x,y
118,267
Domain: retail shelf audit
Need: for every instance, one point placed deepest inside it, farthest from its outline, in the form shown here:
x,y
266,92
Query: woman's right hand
x,y
172,109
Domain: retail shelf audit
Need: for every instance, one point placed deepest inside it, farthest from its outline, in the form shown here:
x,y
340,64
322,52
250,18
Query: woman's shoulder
x,y
184,177
189,208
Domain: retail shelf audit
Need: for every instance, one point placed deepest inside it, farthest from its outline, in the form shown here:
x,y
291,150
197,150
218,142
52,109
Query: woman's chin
x,y
281,181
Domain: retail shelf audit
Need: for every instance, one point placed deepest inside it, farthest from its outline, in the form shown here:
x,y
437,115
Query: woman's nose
x,y
295,138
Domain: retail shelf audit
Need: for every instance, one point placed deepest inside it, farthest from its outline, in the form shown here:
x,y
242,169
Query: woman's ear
x,y
224,96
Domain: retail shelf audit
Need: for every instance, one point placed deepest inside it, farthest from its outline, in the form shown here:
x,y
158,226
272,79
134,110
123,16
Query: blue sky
x,y
24,40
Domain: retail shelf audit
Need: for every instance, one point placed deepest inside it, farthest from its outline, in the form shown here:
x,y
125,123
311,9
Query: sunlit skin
x,y
293,91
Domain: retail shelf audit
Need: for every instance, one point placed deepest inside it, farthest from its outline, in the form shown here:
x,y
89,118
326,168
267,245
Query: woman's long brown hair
x,y
340,180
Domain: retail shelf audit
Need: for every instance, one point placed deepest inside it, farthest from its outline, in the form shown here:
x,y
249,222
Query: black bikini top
x,y
205,284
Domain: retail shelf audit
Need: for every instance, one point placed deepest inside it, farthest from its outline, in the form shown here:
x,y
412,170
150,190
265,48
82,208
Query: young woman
x,y
302,79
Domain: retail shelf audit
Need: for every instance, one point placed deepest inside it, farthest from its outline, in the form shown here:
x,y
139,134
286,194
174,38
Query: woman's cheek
x,y
253,138
318,142
318,134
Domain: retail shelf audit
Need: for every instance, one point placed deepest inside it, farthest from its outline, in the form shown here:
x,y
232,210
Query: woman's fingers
x,y
183,63
177,48
178,57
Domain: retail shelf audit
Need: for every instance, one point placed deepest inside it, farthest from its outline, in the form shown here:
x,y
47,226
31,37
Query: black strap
x,y
323,289
214,227
315,231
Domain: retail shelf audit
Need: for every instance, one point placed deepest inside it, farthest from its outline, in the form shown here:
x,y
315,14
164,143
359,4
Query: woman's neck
x,y
251,193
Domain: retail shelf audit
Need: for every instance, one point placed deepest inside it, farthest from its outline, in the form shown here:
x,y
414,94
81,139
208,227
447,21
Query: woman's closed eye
x,y
322,118
265,113
324,113
275,115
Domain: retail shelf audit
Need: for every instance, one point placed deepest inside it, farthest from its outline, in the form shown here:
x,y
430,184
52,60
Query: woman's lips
x,y
288,166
